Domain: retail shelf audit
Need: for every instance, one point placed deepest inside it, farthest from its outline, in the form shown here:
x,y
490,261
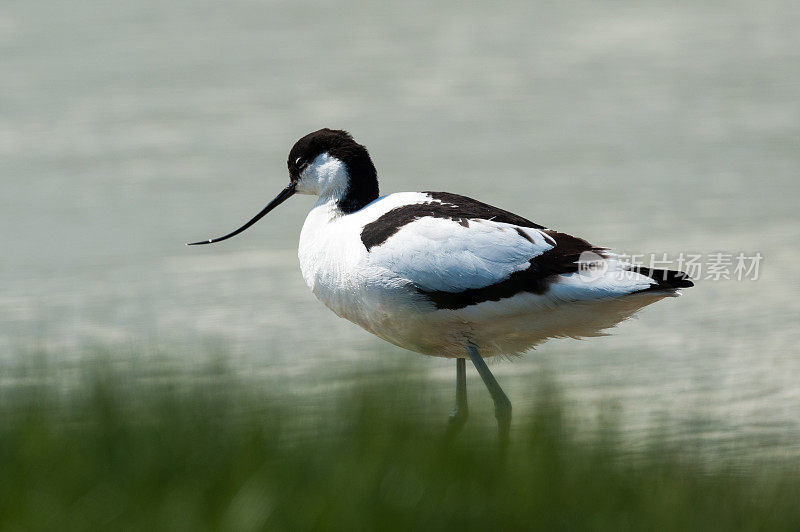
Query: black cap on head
x,y
363,187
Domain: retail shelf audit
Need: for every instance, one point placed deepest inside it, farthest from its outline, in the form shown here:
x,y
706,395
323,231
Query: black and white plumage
x,y
446,275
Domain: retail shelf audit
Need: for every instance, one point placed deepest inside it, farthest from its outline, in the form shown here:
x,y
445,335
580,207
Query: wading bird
x,y
446,275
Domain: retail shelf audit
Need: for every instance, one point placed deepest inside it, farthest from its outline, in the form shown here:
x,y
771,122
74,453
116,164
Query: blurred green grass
x,y
163,450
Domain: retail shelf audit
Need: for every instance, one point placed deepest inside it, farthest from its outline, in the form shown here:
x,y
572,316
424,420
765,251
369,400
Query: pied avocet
x,y
446,275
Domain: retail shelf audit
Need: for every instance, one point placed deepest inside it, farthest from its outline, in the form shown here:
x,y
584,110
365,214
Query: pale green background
x,y
129,128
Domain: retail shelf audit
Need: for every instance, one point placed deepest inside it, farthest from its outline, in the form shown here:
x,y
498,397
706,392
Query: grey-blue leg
x,y
502,406
460,413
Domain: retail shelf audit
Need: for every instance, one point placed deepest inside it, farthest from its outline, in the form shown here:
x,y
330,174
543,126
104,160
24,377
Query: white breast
x,y
333,259
337,268
330,253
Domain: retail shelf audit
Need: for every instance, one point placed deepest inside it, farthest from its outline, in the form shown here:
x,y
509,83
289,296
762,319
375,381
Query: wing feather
x,y
439,254
459,252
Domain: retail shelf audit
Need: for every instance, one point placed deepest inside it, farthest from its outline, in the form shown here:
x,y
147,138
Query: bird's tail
x,y
665,279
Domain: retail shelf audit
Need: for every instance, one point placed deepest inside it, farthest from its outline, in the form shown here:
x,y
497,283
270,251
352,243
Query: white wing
x,y
446,255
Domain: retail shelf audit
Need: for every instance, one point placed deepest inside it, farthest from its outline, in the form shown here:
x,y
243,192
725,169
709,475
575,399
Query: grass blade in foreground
x,y
215,453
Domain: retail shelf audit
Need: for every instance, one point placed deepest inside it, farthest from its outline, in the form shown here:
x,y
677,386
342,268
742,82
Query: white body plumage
x,y
377,289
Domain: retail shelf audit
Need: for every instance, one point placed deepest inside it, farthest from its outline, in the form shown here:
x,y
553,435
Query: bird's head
x,y
327,163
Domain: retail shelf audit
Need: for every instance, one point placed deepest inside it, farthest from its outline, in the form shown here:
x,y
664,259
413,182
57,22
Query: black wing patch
x,y
460,209
536,279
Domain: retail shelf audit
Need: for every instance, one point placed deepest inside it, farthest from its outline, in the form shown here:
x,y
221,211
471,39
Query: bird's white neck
x,y
325,177
327,208
330,178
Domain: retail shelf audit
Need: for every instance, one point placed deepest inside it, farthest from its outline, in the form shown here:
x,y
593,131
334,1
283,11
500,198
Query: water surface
x,y
128,129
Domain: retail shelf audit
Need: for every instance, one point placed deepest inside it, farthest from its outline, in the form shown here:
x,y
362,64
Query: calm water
x,y
128,129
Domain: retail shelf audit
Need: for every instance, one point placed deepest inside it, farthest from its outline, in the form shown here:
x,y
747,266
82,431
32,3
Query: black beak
x,y
285,194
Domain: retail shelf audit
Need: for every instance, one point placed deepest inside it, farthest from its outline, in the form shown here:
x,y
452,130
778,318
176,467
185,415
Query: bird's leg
x,y
460,413
502,406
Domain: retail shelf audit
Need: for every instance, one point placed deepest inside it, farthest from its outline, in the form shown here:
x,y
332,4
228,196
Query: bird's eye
x,y
301,164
